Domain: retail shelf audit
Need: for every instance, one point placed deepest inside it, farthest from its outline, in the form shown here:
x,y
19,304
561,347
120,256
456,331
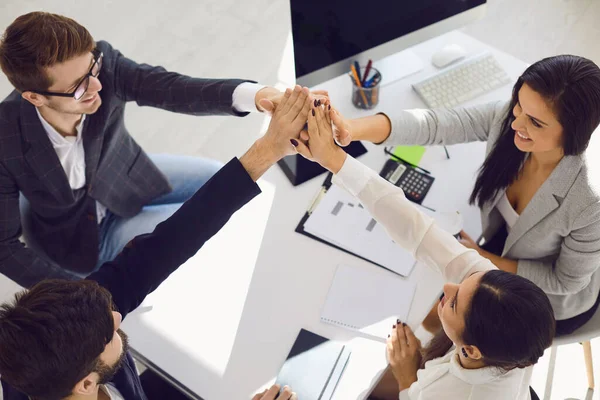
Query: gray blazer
x,y
556,239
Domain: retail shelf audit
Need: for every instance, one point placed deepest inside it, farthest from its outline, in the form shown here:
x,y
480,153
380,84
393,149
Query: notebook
x,y
314,366
368,300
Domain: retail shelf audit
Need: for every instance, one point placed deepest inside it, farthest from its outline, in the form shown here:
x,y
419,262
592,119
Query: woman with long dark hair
x,y
539,201
496,324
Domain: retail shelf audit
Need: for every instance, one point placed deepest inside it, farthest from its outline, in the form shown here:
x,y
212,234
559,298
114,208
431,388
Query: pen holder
x,y
367,97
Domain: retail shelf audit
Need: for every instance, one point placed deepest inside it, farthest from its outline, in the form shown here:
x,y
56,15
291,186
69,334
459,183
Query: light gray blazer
x,y
556,239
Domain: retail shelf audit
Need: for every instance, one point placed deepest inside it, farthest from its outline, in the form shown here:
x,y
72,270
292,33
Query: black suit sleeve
x,y
150,259
156,87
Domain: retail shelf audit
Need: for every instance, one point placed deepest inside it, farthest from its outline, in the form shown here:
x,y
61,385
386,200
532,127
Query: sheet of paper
x,y
341,220
368,300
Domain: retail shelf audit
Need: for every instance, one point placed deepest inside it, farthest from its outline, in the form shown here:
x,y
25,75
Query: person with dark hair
x,y
61,339
495,324
539,200
73,181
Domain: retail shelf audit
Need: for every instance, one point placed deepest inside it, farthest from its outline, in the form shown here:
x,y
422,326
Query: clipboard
x,y
300,228
381,252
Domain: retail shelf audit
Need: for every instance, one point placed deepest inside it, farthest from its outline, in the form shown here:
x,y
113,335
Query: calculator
x,y
414,183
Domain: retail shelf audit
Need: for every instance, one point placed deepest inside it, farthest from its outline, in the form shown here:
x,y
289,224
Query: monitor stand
x,y
298,169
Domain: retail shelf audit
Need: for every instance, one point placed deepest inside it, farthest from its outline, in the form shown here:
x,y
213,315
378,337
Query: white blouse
x,y
444,377
508,212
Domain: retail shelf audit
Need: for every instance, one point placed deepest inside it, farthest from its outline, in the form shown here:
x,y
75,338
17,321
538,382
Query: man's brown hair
x,y
39,40
51,337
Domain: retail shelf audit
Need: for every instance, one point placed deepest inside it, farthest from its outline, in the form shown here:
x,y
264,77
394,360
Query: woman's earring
x,y
465,353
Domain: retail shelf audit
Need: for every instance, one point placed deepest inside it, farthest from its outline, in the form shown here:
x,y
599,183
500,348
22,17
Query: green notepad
x,y
412,154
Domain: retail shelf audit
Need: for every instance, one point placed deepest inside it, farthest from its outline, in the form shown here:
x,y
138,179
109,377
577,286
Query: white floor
x,y
247,38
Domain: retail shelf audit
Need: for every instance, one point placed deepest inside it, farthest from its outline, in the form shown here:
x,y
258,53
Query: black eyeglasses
x,y
83,84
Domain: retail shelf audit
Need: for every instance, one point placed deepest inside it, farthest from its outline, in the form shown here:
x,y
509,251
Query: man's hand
x,y
271,394
404,355
282,135
268,98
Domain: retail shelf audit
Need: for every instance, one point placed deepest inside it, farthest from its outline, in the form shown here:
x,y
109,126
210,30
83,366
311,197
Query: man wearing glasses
x,y
72,179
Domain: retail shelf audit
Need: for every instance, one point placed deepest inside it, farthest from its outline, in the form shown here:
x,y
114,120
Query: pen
x,y
374,80
404,161
367,70
355,75
446,150
357,67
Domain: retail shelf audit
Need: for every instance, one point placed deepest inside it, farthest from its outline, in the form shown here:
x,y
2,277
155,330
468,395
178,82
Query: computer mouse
x,y
447,55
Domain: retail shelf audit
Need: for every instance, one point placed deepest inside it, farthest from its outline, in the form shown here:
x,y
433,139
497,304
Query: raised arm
x,y
156,87
150,259
421,126
406,225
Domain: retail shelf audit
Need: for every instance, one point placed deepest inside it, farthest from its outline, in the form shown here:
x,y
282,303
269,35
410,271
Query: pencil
x,y
355,74
389,153
357,67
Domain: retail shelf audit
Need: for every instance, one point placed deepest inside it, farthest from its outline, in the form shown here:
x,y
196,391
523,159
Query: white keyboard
x,y
469,79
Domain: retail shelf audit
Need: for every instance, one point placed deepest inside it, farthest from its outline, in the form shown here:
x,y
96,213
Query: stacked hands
x,y
304,122
327,131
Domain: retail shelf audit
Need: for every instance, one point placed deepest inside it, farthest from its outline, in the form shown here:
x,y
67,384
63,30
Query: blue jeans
x,y
185,174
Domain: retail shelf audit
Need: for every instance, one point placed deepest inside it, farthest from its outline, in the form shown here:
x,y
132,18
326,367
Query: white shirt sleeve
x,y
407,226
243,98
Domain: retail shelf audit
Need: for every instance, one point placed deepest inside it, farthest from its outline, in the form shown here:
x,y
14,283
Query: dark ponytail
x,y
510,320
571,86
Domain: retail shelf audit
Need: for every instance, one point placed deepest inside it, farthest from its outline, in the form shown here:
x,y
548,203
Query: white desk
x,y
241,301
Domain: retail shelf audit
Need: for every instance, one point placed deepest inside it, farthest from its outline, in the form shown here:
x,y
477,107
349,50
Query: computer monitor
x,y
328,35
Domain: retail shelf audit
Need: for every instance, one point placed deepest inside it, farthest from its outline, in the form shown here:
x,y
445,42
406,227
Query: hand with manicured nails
x,y
320,146
272,394
404,355
287,122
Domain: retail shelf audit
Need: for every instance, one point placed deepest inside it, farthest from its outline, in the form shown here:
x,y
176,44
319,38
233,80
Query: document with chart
x,y
338,219
341,220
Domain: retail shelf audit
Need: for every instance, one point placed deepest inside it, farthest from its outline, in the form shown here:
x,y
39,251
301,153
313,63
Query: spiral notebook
x,y
368,300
